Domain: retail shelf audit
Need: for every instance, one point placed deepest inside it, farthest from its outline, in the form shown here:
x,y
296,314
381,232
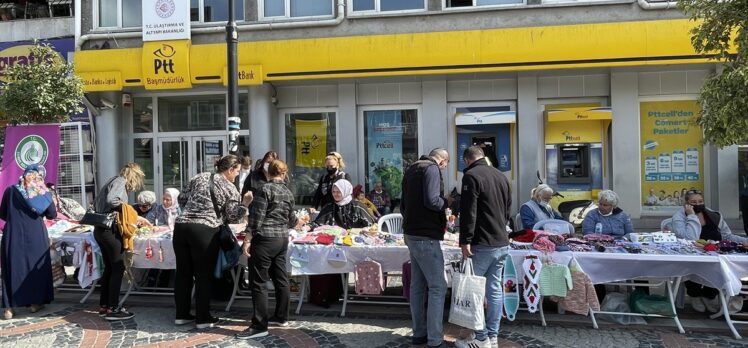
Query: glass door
x,y
183,157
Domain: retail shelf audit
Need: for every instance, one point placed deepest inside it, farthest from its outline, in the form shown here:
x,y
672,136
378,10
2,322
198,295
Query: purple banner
x,y
25,145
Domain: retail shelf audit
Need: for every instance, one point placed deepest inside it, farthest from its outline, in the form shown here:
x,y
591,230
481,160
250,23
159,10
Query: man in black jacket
x,y
424,223
484,212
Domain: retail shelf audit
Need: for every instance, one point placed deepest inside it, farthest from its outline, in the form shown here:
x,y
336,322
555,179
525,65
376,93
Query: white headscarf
x,y
173,210
346,189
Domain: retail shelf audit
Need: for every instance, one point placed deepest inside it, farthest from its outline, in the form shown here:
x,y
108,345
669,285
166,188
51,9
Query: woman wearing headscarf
x,y
165,214
334,165
344,211
24,249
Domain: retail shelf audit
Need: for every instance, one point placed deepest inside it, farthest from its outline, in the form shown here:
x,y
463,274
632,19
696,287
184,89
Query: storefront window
x,y
391,145
296,8
143,155
309,137
388,5
671,154
142,115
131,12
197,113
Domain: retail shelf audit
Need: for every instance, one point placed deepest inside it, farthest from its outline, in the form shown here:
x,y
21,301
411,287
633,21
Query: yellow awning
x,y
579,114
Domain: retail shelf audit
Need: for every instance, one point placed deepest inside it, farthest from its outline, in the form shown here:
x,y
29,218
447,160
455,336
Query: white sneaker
x,y
472,342
697,303
712,306
494,342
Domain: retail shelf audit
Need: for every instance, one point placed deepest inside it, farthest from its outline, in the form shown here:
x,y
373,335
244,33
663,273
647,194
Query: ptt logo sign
x,y
581,116
569,137
163,61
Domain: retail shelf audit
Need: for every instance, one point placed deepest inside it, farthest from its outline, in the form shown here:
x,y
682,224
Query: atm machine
x,y
575,143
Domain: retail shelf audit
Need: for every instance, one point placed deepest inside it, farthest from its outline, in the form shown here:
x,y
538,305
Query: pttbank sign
x,y
20,54
166,64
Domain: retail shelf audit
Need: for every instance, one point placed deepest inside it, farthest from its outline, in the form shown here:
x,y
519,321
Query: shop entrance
x,y
180,158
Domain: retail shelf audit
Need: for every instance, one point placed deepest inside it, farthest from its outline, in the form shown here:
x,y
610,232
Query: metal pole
x,y
232,38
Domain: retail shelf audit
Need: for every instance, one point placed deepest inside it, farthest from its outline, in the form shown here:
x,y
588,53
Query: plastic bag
x,y
650,304
618,302
468,291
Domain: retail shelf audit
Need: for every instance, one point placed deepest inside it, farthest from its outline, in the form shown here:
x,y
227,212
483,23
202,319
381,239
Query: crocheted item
x,y
555,280
511,295
532,267
544,244
599,237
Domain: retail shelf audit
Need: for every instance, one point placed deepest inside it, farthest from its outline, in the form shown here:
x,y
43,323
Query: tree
x,y
721,32
46,90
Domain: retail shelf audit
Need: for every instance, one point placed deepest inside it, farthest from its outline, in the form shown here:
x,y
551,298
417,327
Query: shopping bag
x,y
468,291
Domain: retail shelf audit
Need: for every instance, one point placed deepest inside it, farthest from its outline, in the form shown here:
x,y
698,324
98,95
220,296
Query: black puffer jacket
x,y
351,215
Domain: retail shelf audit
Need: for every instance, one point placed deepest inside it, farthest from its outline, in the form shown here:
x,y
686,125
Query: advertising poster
x,y
311,143
671,154
384,137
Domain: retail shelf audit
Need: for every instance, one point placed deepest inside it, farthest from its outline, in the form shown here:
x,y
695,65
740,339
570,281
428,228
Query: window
x,y
196,113
143,155
388,5
273,9
23,9
391,146
309,137
142,115
470,3
129,13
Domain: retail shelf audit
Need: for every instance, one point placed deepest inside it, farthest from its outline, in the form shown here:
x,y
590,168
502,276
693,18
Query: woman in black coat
x,y
334,165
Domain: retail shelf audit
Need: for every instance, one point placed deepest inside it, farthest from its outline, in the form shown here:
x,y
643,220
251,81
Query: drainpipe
x,y
657,5
215,29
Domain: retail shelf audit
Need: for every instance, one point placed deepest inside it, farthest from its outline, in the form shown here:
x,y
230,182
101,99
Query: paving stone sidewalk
x,y
68,324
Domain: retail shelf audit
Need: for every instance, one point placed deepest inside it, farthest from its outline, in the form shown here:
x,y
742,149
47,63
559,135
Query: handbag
x,y
101,220
226,238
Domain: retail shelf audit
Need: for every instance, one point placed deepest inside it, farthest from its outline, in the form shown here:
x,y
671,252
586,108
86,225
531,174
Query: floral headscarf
x,y
35,192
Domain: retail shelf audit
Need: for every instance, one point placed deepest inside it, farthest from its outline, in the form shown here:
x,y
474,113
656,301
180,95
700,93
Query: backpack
x,y
369,278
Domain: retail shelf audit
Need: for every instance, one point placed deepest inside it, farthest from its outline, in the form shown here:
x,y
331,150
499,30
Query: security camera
x,y
107,104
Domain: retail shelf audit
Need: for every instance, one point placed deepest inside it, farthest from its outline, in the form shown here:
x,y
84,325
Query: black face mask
x,y
699,208
331,170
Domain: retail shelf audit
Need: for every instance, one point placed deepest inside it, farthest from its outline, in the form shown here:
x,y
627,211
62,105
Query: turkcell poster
x,y
311,143
384,146
671,154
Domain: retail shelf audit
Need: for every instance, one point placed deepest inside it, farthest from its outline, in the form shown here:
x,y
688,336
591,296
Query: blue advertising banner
x,y
384,137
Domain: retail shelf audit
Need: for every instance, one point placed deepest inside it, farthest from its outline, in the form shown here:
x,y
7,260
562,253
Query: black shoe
x,y
278,322
212,321
251,333
418,340
119,314
184,321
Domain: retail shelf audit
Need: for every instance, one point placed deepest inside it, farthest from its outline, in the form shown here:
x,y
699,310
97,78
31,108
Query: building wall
x,y
42,28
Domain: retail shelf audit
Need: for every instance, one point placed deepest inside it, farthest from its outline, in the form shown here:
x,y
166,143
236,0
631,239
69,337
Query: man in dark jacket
x,y
424,223
484,207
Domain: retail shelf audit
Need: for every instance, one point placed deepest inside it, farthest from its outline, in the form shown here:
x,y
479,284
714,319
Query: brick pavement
x,y
65,324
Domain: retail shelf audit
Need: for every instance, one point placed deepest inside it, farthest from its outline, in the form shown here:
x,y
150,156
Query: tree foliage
x,y
44,91
722,33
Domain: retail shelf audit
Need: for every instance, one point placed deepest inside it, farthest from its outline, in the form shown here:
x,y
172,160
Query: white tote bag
x,y
468,291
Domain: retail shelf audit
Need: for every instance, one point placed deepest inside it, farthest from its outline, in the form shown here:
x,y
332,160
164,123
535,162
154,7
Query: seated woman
x,y
696,221
165,214
612,219
344,211
538,207
146,202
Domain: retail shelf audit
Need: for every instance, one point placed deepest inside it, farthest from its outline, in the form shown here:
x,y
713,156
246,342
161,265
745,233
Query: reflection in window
x,y
309,137
143,155
297,8
468,3
108,13
192,113
142,115
132,13
391,145
388,5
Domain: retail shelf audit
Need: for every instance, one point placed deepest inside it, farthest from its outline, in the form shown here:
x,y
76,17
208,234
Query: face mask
x,y
608,214
699,208
546,204
265,166
331,170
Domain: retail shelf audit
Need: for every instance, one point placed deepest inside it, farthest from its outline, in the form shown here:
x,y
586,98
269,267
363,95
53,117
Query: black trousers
x,y
196,251
268,262
698,290
113,254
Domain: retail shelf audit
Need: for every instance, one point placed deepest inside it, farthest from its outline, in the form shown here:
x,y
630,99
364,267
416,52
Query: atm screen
x,y
574,164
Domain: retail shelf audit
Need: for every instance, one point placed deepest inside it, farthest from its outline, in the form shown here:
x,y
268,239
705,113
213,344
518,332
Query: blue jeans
x,y
487,263
427,270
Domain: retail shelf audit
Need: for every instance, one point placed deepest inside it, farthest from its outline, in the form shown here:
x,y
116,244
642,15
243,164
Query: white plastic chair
x,y
666,224
559,226
518,223
394,223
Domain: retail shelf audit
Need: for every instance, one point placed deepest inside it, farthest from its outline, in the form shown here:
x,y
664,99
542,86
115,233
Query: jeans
x,y
487,263
427,270
113,255
196,251
268,262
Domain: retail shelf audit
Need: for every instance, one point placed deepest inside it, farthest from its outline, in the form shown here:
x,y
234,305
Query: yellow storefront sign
x,y
166,64
101,81
249,75
311,143
579,114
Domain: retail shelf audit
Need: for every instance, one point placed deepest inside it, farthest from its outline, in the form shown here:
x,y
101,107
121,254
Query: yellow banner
x,y
166,64
671,153
101,81
311,143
